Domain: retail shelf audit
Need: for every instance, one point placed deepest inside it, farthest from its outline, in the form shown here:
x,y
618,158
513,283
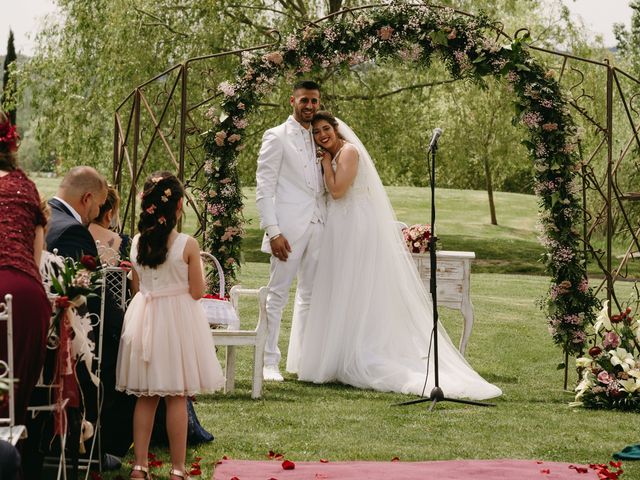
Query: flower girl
x,y
166,349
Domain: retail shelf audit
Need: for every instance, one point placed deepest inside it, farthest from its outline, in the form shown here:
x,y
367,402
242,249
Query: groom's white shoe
x,y
271,373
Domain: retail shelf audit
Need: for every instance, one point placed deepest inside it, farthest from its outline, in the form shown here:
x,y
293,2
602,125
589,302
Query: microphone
x,y
434,139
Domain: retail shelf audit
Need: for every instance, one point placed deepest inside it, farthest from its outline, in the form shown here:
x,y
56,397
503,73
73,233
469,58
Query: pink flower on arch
x,y
273,57
305,65
240,123
385,33
532,119
220,136
226,88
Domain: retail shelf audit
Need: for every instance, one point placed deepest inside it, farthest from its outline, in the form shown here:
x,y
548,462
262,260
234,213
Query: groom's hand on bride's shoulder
x,y
280,247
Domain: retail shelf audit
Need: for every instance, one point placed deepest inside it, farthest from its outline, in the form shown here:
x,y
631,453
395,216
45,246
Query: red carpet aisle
x,y
441,470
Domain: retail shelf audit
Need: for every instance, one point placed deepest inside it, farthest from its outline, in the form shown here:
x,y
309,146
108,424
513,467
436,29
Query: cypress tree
x,y
8,60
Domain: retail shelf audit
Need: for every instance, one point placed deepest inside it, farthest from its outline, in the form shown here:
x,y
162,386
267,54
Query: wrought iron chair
x,y
9,431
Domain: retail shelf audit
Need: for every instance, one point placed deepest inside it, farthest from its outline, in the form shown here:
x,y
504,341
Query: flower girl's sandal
x,y
139,468
179,473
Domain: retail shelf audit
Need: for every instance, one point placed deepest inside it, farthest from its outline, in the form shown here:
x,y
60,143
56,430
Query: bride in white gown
x,y
370,317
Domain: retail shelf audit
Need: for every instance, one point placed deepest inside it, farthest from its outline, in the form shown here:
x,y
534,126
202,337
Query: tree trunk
x,y
334,6
487,168
492,205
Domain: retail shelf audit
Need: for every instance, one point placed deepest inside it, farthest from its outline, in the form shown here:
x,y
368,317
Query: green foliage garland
x,y
467,47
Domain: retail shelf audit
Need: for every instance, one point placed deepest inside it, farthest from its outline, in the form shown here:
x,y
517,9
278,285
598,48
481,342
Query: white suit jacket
x,y
285,183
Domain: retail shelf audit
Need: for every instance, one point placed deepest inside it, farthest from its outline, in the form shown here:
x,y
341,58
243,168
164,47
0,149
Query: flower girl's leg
x,y
143,417
177,422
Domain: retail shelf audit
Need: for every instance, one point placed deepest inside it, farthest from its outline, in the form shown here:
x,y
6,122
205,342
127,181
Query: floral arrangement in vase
x,y
417,237
610,372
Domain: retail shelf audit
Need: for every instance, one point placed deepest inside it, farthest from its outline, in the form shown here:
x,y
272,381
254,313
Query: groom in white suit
x,y
291,202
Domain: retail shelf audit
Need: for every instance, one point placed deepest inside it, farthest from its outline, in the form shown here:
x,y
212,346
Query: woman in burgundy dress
x,y
21,241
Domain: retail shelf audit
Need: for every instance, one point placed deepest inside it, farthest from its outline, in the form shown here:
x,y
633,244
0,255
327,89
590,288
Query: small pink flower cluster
x,y
215,209
541,150
584,285
227,88
230,232
545,187
563,255
240,123
220,136
385,33
291,42
305,65
330,34
532,119
273,57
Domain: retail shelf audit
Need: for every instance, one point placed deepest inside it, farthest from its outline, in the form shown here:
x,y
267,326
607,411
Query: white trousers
x,y
302,262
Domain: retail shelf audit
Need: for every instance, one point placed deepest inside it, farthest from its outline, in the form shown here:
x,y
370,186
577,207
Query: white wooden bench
x,y
453,277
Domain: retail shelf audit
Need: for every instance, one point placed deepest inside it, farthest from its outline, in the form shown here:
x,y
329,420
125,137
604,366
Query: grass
x,y
462,223
509,346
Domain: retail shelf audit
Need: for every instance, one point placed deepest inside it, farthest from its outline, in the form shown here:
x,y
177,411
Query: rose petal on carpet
x,y
437,470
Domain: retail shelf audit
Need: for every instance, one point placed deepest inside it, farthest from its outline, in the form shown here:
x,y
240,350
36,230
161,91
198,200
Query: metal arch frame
x,y
130,157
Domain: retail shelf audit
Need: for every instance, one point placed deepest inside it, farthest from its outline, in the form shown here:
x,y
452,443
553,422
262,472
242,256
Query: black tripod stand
x,y
436,395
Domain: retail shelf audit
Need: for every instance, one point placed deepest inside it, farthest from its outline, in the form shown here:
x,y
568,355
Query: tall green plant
x,y
8,86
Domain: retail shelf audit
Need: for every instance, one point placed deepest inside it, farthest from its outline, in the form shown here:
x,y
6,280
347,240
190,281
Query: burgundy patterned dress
x,y
20,214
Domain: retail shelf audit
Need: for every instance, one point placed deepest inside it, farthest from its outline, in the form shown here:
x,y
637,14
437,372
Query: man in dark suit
x,y
78,200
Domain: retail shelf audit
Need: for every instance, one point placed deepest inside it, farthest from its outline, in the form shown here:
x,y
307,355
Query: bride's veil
x,y
371,318
400,269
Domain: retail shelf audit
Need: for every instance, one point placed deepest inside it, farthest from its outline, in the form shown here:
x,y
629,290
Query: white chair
x,y
400,225
257,338
9,431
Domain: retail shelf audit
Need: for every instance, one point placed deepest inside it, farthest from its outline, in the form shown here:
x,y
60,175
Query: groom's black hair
x,y
307,85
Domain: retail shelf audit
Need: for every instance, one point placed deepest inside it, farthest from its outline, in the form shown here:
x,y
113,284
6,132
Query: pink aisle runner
x,y
440,470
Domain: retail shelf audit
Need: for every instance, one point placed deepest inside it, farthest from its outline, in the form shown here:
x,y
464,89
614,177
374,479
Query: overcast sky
x,y
25,18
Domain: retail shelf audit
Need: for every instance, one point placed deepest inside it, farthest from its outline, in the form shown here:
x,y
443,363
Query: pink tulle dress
x,y
166,346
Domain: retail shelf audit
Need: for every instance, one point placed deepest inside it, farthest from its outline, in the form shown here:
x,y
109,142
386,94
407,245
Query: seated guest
x,y
112,247
82,193
21,240
9,461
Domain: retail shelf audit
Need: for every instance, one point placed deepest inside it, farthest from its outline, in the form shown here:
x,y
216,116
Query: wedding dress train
x,y
370,317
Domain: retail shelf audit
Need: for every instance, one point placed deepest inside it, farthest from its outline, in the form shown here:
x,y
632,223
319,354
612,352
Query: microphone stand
x,y
436,395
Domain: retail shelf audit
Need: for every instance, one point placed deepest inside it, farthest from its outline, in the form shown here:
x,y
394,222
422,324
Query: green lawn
x,y
509,346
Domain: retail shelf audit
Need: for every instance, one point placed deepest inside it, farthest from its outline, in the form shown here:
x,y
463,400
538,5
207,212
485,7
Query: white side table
x,y
453,278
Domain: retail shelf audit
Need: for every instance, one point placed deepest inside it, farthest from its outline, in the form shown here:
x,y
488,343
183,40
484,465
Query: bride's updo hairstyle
x,y
327,117
159,215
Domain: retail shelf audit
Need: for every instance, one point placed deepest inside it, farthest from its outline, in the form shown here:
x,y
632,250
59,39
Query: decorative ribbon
x,y
149,312
64,375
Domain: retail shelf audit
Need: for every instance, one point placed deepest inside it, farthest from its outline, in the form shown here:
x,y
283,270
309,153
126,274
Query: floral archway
x,y
471,47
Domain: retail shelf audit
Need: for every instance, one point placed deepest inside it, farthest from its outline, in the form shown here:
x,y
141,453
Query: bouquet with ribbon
x,y
69,331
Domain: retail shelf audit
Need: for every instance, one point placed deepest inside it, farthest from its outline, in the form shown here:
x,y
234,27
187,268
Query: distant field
x,y
462,223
